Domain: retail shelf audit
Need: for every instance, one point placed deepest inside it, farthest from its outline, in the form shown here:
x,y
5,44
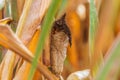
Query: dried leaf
x,y
0,14
1,67
110,70
41,12
6,20
10,57
20,6
7,38
79,75
7,69
25,67
34,18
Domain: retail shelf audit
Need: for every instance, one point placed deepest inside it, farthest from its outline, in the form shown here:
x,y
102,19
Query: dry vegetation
x,y
59,39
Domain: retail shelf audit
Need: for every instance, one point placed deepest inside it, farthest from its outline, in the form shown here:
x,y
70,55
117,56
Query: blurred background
x,y
77,18
78,21
108,27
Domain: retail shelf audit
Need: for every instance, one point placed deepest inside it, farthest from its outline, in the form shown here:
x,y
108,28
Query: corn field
x,y
59,39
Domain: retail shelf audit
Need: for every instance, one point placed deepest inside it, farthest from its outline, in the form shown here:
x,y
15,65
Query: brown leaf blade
x,y
18,47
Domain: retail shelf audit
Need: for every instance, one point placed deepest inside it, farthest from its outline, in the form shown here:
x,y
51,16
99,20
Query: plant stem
x,y
46,27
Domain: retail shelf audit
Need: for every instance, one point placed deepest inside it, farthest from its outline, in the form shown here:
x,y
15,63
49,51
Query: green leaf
x,y
114,54
46,27
14,14
62,8
94,62
93,27
0,54
92,36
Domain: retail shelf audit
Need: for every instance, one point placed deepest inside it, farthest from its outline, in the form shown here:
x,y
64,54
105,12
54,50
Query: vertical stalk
x,y
14,13
95,63
46,27
23,17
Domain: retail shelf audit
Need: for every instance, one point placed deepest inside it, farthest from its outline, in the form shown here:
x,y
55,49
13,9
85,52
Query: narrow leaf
x,y
7,37
92,36
114,54
45,31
